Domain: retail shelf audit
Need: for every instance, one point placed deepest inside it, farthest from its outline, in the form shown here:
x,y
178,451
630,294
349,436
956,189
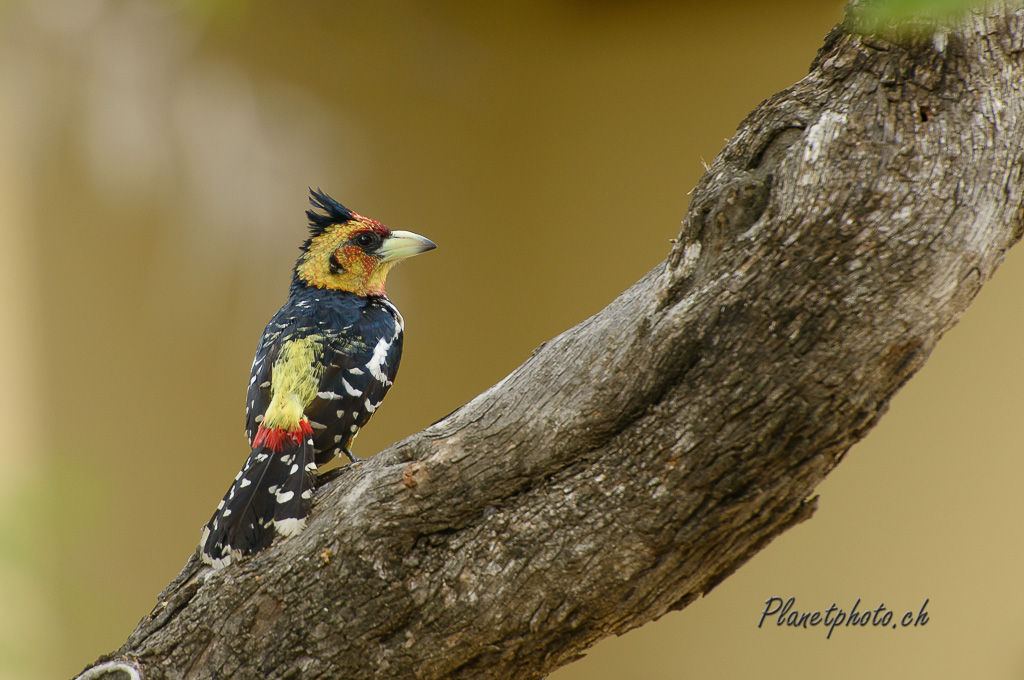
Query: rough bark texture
x,y
636,460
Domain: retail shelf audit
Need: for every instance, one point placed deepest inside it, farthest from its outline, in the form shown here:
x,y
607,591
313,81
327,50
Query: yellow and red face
x,y
357,255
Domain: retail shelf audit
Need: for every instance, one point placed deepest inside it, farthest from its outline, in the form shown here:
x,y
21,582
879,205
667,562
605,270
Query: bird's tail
x,y
271,495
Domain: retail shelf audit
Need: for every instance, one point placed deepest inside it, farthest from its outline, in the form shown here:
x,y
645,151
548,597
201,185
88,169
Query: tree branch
x,y
636,460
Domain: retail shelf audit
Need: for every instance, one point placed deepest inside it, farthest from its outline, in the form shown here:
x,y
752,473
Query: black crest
x,y
333,212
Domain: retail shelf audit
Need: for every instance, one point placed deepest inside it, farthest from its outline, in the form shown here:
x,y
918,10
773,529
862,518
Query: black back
x,y
362,348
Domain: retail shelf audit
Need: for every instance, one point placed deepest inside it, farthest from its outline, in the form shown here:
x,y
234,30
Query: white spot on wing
x,y
376,362
290,526
400,321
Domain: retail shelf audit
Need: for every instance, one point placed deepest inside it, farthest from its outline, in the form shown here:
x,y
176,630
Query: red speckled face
x,y
343,258
356,256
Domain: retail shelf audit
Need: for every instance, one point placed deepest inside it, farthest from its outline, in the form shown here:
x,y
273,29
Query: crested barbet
x,y
322,368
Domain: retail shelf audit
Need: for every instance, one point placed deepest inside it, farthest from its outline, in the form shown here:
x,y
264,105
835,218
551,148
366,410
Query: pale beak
x,y
403,244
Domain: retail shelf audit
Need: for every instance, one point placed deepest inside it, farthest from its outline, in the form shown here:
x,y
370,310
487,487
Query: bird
x,y
323,365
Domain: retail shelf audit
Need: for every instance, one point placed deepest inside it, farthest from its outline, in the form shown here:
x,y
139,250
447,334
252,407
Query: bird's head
x,y
346,251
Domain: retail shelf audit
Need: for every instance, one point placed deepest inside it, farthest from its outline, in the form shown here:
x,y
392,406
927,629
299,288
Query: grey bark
x,y
638,459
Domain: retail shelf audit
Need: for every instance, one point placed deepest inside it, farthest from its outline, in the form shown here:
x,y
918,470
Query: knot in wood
x,y
414,475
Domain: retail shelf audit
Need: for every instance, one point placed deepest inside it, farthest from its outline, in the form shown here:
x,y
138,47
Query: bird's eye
x,y
367,240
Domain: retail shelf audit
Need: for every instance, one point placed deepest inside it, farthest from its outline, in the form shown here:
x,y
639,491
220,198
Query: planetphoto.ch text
x,y
784,613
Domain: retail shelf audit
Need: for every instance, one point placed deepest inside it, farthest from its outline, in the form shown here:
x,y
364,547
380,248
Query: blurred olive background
x,y
154,164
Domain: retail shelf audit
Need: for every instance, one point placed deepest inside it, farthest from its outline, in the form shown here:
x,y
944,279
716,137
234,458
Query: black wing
x,y
360,365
